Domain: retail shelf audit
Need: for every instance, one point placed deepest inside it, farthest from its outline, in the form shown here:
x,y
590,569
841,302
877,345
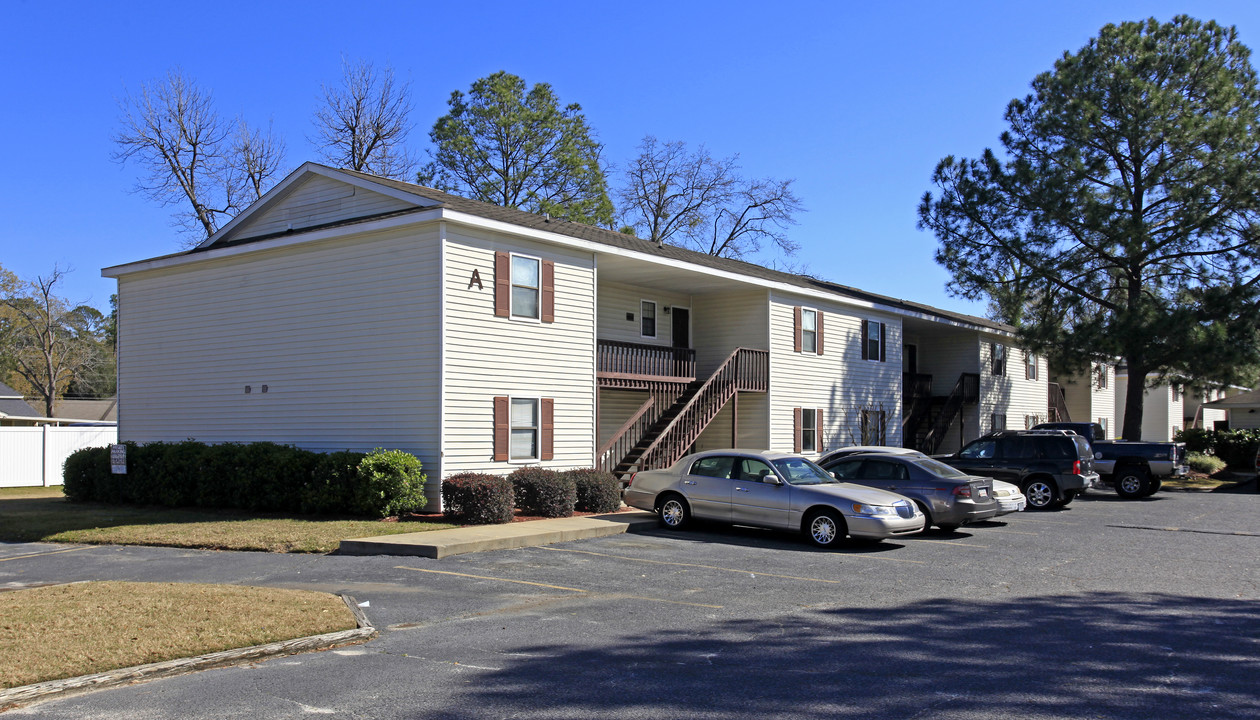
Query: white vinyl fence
x,y
34,455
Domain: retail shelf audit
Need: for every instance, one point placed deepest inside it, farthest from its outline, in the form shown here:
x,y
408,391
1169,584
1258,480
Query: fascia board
x,y
298,238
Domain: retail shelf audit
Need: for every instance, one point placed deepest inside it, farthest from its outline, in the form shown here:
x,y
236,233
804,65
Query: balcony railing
x,y
637,361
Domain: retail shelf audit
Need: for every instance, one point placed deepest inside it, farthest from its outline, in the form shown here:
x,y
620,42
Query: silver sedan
x,y
773,490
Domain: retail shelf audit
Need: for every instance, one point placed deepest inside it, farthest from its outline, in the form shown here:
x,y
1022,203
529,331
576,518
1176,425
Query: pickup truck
x,y
1135,469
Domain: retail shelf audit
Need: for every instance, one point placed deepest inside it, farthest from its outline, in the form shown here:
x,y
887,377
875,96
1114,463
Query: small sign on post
x,y
118,459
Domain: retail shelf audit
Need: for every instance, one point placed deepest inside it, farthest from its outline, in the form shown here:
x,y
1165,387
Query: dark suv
x,y
1050,466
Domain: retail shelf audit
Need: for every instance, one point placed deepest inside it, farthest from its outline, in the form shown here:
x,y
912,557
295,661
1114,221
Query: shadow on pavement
x,y
1096,655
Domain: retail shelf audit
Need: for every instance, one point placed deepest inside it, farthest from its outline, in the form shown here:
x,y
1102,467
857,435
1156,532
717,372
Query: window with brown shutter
x,y
820,333
548,291
796,328
796,430
883,342
865,339
546,443
502,285
874,341
818,422
501,429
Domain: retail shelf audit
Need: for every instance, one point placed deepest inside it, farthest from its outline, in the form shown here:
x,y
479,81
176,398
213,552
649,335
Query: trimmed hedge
x,y
1206,464
255,476
478,499
543,492
597,491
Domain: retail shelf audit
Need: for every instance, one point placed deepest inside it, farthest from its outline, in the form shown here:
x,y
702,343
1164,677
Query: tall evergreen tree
x,y
503,145
1122,221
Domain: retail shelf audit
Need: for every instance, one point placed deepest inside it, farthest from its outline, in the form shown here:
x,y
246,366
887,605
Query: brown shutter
x,y
865,332
818,430
796,327
796,430
502,284
1027,373
546,441
883,342
548,291
819,322
502,434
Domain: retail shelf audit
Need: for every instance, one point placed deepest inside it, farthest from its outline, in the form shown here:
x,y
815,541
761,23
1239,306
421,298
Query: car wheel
x,y
927,517
949,527
1131,483
1042,494
675,514
1068,496
1153,487
825,528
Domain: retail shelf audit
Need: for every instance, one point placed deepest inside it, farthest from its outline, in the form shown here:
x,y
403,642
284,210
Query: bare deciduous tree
x,y
191,156
48,341
691,199
364,123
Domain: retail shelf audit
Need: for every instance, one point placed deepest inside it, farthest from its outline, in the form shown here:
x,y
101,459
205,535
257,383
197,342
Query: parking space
x,y
1105,609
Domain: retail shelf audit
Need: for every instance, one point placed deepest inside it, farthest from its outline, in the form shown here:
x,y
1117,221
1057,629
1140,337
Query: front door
x,y
682,326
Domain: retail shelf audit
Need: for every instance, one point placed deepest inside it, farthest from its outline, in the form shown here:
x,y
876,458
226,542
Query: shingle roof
x,y
1241,400
11,403
624,241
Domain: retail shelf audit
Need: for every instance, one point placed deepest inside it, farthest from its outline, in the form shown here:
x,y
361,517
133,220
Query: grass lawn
x,y
64,631
44,515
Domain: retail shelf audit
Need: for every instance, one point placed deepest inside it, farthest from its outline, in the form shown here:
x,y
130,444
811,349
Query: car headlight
x,y
864,509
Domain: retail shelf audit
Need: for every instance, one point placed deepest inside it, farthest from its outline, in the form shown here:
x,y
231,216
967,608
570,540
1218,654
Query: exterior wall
x,y
725,321
1198,416
1086,402
1244,419
317,201
1160,412
616,300
839,381
754,431
343,333
488,356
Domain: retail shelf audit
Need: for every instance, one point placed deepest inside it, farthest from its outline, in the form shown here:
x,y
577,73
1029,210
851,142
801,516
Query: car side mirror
x,y
771,479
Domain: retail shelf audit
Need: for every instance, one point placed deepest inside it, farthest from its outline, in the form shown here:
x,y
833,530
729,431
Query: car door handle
x,y
740,489
688,482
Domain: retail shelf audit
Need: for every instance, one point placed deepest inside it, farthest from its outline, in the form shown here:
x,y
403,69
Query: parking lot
x,y
1107,609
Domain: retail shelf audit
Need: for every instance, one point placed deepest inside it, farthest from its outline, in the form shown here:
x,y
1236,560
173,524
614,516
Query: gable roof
x,y
12,404
1242,400
425,199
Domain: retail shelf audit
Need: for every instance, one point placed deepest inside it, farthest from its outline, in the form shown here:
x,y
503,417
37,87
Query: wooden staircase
x,y
680,425
943,411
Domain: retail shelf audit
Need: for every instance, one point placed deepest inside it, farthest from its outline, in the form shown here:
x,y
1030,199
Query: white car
x,y
773,490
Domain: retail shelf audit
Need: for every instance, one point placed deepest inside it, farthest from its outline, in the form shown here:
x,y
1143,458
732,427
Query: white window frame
x,y
813,312
809,433
656,319
537,428
512,285
1030,365
872,326
1100,377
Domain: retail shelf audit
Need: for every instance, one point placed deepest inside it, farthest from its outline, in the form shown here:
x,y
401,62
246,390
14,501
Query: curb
x,y
26,694
438,544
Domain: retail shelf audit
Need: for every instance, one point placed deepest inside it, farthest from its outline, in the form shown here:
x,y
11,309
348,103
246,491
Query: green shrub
x,y
1237,447
543,492
389,483
82,473
255,476
597,491
477,498
1206,464
1197,440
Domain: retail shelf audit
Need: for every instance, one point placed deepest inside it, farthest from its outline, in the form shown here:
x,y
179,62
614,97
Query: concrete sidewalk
x,y
478,538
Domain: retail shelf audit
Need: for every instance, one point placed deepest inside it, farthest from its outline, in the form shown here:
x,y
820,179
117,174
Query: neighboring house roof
x,y
1241,400
13,405
428,199
106,409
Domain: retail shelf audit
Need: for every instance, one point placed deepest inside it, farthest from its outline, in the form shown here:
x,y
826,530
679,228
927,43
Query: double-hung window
x,y
809,330
524,444
525,287
647,318
998,360
1030,366
809,430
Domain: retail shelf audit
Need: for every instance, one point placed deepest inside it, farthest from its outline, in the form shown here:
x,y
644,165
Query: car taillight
x,y
1076,467
963,491
631,480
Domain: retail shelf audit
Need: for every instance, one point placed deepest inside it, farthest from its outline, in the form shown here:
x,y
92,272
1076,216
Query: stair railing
x,y
967,388
626,437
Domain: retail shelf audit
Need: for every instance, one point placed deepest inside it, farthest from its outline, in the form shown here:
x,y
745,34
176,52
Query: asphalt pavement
x,y
1105,609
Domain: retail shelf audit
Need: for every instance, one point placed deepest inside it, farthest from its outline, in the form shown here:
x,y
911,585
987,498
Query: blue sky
x,y
855,101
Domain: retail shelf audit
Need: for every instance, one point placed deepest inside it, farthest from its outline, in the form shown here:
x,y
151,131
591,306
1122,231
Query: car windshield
x,y
800,471
939,469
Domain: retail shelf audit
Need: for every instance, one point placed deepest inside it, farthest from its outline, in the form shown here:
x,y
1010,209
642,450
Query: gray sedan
x,y
773,490
948,497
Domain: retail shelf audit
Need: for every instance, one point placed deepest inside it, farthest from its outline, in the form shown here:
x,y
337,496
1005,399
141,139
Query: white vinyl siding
x,y
1160,413
753,430
344,333
1011,394
617,300
838,382
488,356
1086,402
318,201
725,321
